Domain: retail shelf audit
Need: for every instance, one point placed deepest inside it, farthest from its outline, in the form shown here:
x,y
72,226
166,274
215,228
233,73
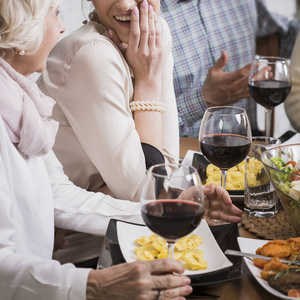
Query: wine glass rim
x,y
171,165
213,109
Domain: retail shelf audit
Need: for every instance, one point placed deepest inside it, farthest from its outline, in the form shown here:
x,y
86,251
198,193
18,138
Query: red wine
x,y
269,93
225,150
172,219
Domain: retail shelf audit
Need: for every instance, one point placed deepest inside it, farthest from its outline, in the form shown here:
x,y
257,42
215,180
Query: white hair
x,y
22,23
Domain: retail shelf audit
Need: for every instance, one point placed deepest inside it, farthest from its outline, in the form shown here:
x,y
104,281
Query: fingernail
x,y
135,11
150,8
210,186
189,289
187,280
144,4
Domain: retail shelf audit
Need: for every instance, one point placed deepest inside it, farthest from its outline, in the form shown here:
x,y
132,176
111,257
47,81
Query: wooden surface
x,y
187,143
245,288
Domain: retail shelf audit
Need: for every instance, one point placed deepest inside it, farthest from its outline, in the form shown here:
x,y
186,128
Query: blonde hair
x,y
22,24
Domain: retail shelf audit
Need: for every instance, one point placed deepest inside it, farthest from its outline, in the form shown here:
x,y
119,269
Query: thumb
x,y
114,37
221,62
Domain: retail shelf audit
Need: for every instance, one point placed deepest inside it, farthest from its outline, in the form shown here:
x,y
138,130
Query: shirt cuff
x,y
78,277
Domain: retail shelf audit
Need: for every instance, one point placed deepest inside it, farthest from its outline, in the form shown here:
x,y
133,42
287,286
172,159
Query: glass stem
x,y
268,116
223,178
171,249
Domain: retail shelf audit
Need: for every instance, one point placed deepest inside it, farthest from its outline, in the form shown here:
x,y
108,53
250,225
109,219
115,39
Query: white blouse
x,y
35,195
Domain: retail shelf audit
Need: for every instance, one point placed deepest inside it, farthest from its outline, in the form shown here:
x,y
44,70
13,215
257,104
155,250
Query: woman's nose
x,y
127,4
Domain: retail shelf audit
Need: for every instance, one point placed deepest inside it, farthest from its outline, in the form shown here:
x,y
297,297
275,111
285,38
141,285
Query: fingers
x,y
157,33
144,24
166,266
225,217
144,28
152,27
170,285
134,36
114,37
221,62
175,293
220,206
59,241
217,192
239,74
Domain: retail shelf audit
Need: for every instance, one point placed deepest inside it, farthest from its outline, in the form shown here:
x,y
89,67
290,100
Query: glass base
x,y
261,213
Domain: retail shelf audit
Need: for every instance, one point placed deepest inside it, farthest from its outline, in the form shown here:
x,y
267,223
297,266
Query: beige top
x,y
292,103
97,142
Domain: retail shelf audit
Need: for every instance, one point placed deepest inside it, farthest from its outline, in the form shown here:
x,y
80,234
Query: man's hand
x,y
222,88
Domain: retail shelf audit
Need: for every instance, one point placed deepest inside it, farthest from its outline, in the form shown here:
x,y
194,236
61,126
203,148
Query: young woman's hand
x,y
144,51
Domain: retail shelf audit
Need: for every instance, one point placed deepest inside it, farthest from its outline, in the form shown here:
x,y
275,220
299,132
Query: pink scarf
x,y
25,111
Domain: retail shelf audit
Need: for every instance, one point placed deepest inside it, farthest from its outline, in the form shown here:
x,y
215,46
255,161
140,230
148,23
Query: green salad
x,y
287,181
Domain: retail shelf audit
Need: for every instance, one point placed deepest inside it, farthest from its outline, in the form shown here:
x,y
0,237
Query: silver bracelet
x,y
148,106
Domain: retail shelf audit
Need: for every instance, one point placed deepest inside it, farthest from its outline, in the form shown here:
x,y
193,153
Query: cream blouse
x,y
97,142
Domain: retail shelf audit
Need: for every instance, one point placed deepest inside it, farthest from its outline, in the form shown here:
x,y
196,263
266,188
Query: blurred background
x,y
74,12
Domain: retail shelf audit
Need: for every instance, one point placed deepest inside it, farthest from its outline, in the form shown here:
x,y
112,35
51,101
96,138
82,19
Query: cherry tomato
x,y
265,274
293,178
258,262
291,162
294,293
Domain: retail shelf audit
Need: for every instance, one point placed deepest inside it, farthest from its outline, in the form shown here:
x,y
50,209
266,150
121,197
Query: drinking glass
x,y
172,201
225,137
269,84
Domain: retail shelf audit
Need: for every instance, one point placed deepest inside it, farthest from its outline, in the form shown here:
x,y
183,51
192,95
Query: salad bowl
x,y
282,165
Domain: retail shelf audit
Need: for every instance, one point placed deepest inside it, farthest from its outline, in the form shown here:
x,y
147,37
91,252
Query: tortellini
x,y
235,179
185,250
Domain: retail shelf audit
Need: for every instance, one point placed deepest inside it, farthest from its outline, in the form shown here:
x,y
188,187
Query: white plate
x,y
216,260
250,246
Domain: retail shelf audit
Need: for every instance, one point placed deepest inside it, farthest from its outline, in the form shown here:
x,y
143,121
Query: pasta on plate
x,y
155,247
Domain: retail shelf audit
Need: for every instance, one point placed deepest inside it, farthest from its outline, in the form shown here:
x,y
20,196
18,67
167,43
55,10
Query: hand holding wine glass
x,y
269,84
172,201
225,137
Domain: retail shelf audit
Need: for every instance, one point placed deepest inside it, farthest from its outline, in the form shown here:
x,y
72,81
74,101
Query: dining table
x,y
244,288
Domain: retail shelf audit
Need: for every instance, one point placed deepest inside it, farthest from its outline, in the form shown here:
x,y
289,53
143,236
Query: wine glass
x,y
225,137
172,201
269,84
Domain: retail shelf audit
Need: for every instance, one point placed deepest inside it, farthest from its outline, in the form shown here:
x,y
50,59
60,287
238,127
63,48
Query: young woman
x,y
103,139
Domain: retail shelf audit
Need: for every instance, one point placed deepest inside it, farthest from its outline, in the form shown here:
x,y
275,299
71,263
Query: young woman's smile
x,y
115,14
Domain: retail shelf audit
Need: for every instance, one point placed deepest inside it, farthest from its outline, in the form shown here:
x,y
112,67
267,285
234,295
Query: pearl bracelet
x,y
148,105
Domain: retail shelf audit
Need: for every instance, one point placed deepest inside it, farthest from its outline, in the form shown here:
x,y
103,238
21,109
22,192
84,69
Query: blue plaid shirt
x,y
201,30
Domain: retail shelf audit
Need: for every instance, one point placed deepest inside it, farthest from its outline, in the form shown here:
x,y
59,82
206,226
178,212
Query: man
x,y
213,46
